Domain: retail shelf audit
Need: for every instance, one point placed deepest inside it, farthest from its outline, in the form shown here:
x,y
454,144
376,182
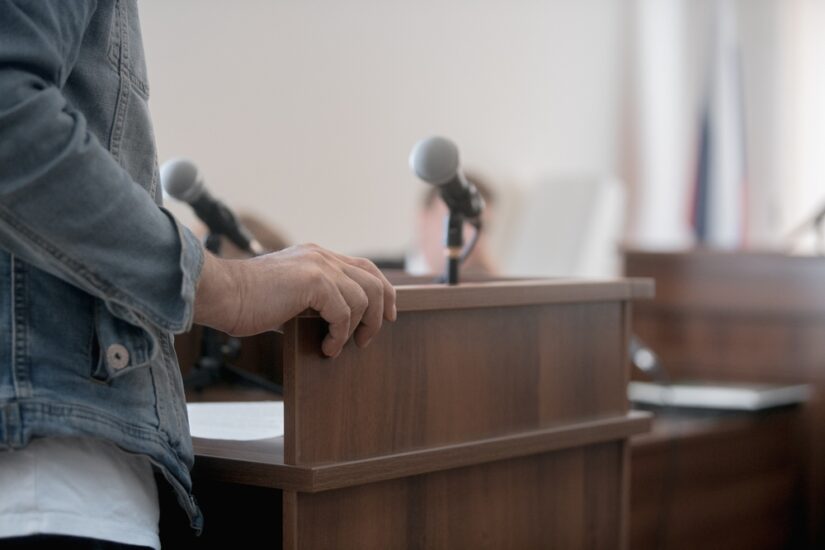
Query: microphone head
x,y
435,160
181,179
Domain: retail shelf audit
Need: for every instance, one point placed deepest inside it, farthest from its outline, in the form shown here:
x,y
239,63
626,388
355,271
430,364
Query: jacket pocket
x,y
120,345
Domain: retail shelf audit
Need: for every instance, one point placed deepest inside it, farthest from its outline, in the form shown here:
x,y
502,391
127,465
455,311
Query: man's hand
x,y
244,297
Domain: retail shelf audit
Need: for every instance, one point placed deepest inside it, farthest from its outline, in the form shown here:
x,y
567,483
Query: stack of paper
x,y
241,421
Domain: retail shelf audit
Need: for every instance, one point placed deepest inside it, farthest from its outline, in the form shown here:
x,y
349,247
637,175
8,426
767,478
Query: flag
x,y
718,212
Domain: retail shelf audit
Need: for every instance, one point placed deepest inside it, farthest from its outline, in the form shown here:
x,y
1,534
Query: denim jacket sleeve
x,y
66,205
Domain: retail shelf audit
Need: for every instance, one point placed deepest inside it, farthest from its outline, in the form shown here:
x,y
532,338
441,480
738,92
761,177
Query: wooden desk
x,y
487,416
749,317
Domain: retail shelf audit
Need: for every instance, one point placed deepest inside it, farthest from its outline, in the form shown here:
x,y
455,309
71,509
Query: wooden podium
x,y
489,415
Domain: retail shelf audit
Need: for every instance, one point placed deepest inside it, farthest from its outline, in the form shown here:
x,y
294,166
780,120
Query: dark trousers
x,y
47,542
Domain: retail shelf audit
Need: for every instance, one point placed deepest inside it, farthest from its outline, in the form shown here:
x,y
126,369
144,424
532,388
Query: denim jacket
x,y
95,276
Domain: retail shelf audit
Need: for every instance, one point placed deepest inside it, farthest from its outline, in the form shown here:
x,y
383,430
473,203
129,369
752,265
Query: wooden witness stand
x,y
489,415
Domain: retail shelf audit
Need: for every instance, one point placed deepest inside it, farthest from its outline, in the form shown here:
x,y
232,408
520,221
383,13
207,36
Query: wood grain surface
x,y
446,376
719,482
563,500
747,317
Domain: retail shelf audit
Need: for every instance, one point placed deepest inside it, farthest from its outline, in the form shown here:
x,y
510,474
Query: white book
x,y
718,395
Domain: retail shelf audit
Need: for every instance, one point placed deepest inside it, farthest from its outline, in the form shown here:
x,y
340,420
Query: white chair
x,y
568,227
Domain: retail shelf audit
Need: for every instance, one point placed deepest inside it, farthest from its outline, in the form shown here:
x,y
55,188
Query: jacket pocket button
x,y
117,356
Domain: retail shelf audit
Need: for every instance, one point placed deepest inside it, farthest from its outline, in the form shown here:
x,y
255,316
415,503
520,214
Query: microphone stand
x,y
454,243
213,366
454,249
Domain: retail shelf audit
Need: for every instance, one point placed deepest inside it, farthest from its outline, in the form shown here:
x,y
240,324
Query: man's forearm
x,y
216,299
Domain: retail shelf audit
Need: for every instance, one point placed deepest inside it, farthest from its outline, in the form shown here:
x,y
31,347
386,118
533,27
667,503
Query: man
x,y
95,278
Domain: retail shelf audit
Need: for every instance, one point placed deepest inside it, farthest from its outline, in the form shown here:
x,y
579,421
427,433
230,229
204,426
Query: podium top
x,y
521,292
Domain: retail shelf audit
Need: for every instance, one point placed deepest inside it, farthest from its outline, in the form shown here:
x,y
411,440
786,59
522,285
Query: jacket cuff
x,y
191,263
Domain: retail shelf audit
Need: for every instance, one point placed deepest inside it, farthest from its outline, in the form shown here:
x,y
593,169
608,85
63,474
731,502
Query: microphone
x,y
182,180
435,160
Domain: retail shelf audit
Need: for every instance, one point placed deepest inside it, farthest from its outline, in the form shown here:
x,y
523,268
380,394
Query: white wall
x,y
801,135
305,111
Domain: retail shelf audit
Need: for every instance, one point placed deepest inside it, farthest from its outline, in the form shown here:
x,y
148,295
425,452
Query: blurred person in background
x,y
428,254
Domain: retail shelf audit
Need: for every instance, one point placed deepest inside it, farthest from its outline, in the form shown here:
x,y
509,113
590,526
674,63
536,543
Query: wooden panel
x,y
732,346
724,281
718,483
560,500
439,377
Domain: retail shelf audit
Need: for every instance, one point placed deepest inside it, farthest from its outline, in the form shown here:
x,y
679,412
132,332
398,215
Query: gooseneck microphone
x,y
436,161
182,180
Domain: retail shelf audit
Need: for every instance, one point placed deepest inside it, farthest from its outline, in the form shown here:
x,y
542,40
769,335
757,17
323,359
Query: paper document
x,y
241,421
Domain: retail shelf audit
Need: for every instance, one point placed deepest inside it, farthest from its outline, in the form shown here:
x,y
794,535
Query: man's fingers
x,y
373,316
333,308
356,298
368,295
389,309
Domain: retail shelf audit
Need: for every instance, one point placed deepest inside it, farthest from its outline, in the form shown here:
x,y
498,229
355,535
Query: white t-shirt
x,y
80,487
